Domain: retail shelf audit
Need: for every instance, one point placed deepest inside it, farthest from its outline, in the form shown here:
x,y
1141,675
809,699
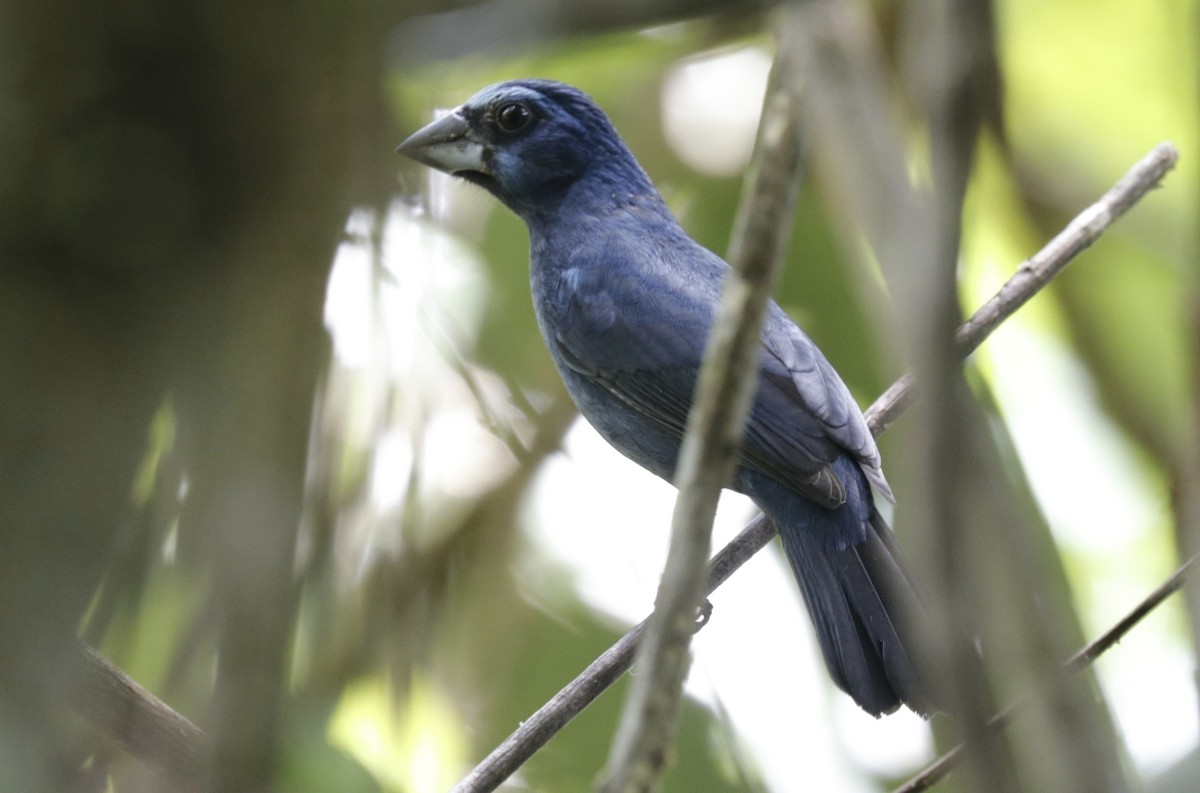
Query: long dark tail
x,y
866,613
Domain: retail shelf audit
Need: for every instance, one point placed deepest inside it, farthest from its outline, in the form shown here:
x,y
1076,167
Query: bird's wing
x,y
641,339
640,334
798,381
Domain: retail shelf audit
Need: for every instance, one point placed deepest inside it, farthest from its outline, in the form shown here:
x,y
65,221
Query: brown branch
x,y
142,723
1038,270
1031,276
937,770
716,424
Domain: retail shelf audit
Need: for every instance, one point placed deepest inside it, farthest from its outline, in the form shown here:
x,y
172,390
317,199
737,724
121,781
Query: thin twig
x,y
1038,270
716,424
1030,278
1085,657
935,771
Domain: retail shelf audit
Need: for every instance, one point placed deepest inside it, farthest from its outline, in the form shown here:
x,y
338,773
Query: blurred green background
x,y
280,437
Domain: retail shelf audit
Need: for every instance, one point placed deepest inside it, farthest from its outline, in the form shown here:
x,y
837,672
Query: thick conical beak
x,y
447,144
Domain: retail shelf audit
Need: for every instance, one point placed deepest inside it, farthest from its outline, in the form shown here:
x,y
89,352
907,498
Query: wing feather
x,y
643,343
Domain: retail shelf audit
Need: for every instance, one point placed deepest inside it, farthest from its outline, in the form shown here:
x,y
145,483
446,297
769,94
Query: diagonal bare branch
x,y
937,770
145,725
1038,270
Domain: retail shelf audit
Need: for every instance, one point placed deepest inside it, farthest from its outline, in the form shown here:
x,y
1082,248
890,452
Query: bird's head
x,y
528,142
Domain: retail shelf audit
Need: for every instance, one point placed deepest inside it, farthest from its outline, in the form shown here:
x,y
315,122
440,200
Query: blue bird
x,y
625,300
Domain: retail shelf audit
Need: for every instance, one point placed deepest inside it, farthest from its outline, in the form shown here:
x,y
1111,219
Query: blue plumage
x,y
625,299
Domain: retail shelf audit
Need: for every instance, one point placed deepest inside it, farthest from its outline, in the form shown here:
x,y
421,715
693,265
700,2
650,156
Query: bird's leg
x,y
703,613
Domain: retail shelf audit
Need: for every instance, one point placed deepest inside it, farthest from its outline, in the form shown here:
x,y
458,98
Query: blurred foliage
x,y
402,630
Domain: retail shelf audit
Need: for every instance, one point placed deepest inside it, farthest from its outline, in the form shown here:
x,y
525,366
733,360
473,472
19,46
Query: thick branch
x,y
724,393
1030,278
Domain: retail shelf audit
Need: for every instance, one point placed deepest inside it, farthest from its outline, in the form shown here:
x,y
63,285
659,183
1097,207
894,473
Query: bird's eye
x,y
513,117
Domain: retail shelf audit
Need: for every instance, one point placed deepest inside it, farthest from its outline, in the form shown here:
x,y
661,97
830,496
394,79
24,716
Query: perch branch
x,y
1031,276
